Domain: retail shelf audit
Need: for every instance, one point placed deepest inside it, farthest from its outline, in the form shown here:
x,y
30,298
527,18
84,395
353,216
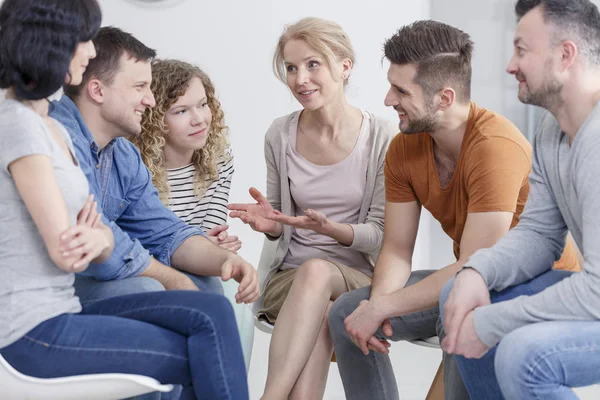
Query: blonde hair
x,y
325,37
170,80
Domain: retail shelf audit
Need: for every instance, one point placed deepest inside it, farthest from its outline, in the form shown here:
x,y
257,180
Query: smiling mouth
x,y
307,92
198,133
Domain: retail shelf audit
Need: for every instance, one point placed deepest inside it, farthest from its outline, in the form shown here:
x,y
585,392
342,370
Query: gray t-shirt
x,y
32,289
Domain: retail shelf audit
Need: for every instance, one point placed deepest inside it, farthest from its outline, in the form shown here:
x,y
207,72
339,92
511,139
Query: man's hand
x,y
362,324
219,236
468,292
468,343
237,268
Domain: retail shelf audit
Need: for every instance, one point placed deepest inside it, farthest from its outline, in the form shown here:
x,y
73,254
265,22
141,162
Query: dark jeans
x,y
176,337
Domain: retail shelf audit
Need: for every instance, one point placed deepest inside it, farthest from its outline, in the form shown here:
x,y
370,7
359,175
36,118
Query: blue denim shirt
x,y
122,186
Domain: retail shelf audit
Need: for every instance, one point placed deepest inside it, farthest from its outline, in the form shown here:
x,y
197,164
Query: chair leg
x,y
436,390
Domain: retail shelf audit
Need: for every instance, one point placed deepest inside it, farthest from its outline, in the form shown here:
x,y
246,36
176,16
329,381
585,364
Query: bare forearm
x,y
421,296
342,233
391,273
166,275
200,256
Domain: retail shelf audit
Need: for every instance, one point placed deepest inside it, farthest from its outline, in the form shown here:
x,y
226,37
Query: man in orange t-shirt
x,y
468,166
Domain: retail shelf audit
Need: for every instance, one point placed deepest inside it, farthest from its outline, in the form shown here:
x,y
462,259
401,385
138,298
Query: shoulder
x,y
491,131
280,127
19,123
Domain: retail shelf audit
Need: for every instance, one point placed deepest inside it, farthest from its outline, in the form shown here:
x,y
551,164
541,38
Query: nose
x,y
511,68
91,49
390,99
197,117
302,77
148,99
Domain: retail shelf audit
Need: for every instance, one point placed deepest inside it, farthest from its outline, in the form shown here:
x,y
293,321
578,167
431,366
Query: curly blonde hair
x,y
170,80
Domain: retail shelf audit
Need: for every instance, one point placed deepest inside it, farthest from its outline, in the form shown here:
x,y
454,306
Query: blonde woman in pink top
x,y
324,204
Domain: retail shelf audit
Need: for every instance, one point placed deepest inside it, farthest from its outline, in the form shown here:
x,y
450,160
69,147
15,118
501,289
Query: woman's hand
x,y
258,215
87,240
219,236
313,220
89,214
82,244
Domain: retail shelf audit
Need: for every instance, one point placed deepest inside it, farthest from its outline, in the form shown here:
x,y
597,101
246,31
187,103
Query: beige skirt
x,y
279,286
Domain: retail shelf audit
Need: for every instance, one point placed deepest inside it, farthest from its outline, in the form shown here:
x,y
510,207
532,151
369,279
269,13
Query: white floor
x,y
414,366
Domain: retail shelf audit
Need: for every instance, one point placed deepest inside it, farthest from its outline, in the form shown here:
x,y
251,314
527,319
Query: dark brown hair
x,y
441,53
111,43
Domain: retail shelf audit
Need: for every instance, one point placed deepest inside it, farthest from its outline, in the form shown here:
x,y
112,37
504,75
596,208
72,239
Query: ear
x,y
569,52
447,98
346,69
95,90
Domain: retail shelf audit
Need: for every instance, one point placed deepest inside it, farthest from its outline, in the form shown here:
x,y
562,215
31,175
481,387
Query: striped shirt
x,y
208,211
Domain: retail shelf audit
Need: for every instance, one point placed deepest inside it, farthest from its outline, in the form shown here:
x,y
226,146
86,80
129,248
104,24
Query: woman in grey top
x,y
325,204
50,229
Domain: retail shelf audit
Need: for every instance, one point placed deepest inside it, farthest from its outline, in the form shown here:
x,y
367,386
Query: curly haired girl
x,y
184,144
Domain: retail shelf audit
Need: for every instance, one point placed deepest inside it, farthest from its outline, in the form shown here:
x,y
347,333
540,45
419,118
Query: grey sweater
x,y
368,233
565,195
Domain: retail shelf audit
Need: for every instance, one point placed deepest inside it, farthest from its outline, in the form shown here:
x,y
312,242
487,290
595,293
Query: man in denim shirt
x,y
98,114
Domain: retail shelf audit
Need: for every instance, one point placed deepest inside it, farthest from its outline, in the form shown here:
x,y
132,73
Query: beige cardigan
x,y
368,233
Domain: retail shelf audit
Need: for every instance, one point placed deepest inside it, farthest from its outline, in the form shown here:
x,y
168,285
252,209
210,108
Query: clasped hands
x,y
469,291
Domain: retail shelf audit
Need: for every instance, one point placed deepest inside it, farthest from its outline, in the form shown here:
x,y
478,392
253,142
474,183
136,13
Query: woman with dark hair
x,y
50,229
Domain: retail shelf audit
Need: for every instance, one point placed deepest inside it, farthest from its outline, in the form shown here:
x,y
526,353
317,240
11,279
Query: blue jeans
x,y
177,337
90,290
479,375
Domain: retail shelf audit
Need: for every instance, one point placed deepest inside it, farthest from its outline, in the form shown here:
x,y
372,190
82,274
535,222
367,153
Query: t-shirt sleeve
x,y
22,136
398,188
497,169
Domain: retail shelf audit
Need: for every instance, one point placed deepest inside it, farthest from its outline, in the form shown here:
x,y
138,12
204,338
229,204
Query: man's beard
x,y
548,95
428,123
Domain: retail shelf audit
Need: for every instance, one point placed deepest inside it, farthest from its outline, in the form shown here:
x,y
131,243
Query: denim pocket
x,y
114,207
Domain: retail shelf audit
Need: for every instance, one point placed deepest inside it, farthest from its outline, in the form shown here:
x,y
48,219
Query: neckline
x,y
294,132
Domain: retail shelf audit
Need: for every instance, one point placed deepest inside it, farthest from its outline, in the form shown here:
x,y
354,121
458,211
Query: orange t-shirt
x,y
491,175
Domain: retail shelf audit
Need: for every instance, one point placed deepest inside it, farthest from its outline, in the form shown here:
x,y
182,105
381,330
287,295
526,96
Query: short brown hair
x,y
441,53
111,43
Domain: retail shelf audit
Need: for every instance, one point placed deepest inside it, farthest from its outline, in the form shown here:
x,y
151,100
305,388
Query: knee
x,y
343,306
515,356
142,284
314,273
214,285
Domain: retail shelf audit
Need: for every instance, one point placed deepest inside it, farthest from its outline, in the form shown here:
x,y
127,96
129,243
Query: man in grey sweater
x,y
546,322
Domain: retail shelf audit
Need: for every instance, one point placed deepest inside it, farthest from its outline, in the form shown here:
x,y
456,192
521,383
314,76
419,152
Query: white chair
x,y
436,390
16,386
260,324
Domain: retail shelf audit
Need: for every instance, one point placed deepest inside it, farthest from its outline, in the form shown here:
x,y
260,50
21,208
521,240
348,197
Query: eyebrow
x,y
305,59
174,107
